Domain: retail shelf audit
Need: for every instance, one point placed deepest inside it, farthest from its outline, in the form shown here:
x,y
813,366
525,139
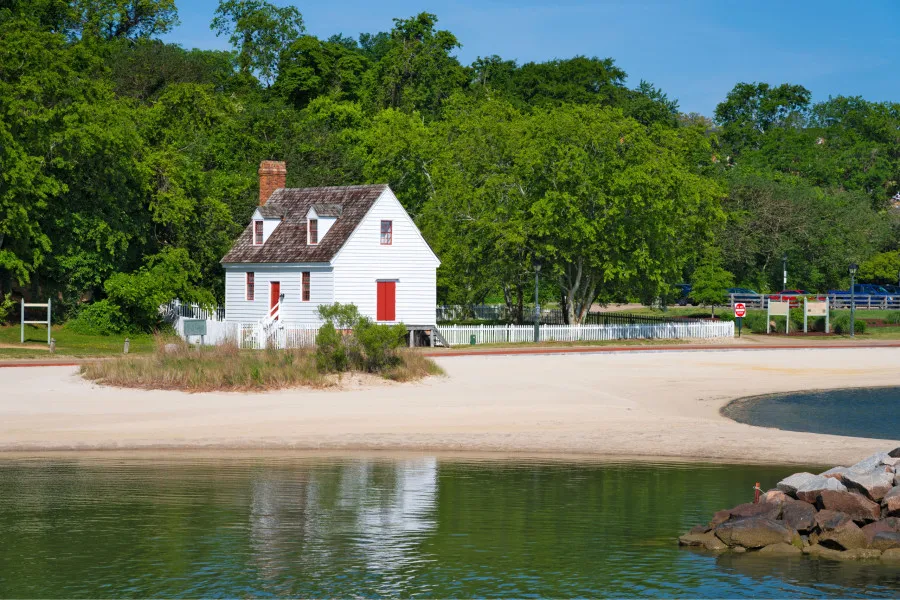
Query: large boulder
x,y
891,502
827,519
856,506
720,517
845,537
702,540
798,515
875,484
809,490
895,453
855,554
754,532
789,485
869,464
860,554
769,510
886,540
888,525
775,496
892,555
835,472
781,549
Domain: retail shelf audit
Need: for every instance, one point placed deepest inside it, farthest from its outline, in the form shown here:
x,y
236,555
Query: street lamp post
x,y
853,268
784,269
537,306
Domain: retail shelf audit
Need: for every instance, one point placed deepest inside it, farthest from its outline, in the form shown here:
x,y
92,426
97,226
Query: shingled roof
x,y
287,244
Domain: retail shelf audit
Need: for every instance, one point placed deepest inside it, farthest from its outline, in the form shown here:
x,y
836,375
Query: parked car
x,y
685,298
866,289
742,291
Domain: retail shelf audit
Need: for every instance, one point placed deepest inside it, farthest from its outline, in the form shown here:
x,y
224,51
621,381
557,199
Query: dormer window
x,y
313,231
257,233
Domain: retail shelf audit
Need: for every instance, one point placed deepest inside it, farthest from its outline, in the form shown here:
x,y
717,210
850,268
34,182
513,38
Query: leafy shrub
x,y
841,325
379,344
755,322
368,346
100,318
893,317
165,276
6,307
331,354
342,316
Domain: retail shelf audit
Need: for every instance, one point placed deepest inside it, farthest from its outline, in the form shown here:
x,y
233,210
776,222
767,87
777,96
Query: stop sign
x,y
740,309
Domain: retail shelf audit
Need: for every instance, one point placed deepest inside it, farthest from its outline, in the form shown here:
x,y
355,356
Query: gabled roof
x,y
328,210
270,212
287,244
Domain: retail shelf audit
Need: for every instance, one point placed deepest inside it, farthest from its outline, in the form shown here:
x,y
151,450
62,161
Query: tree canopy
x,y
128,165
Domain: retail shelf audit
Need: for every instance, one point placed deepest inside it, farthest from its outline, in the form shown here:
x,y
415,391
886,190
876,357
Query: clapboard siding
x,y
409,261
293,310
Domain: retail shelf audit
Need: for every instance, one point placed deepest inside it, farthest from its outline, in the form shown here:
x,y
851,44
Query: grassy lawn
x,y
68,343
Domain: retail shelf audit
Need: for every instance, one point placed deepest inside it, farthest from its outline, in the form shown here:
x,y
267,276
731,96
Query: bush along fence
x,y
499,334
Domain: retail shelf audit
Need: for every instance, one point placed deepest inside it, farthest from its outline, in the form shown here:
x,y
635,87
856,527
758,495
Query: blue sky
x,y
694,51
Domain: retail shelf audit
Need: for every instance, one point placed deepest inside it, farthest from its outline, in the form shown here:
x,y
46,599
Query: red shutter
x,y
387,301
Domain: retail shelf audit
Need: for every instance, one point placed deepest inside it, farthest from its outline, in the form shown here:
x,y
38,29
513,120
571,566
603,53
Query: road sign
x,y
740,309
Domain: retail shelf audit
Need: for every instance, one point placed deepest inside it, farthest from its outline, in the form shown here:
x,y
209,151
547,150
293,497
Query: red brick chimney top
x,y
272,176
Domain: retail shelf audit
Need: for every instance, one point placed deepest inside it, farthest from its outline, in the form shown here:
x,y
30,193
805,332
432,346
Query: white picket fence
x,y
498,334
252,336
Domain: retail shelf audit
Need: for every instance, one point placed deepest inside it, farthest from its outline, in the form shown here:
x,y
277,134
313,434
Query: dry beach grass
x,y
178,366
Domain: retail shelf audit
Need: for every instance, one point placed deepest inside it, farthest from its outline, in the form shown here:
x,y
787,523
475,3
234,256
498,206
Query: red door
x,y
274,293
387,301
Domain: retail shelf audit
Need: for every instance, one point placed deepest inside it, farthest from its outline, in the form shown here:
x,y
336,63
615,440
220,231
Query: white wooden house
x,y
309,246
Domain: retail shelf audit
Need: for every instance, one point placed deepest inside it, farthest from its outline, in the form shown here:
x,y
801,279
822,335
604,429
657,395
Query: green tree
x,y
752,109
164,277
710,282
132,19
883,267
311,68
258,30
417,71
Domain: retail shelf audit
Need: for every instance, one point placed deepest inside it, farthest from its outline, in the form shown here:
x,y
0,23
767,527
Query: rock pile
x,y
845,513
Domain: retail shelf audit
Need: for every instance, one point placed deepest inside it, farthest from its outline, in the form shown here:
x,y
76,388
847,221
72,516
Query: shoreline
x,y
603,406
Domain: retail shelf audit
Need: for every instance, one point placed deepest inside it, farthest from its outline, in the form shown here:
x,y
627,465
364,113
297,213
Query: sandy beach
x,y
636,404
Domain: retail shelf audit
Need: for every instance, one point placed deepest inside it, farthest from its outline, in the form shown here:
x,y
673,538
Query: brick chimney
x,y
272,176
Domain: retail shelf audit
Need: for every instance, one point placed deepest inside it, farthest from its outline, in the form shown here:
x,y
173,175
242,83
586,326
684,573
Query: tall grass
x,y
177,366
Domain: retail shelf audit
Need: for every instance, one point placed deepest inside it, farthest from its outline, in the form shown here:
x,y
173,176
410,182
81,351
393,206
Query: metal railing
x,y
842,301
175,310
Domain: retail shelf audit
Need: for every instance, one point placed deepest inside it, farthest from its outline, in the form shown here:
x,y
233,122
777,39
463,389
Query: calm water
x,y
861,412
377,527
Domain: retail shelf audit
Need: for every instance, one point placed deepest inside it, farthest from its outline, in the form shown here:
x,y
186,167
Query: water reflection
x,y
299,526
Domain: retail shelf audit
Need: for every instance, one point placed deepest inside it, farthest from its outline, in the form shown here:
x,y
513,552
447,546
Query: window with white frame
x,y
387,233
251,286
257,233
313,231
306,287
